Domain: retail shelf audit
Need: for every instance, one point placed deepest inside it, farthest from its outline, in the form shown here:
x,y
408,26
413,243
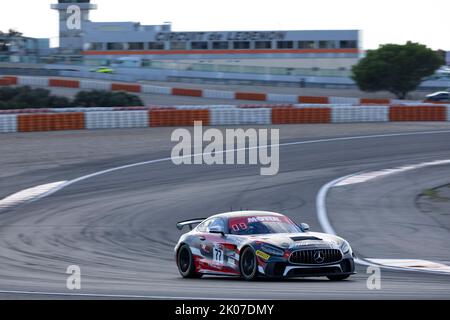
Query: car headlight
x,y
345,247
272,250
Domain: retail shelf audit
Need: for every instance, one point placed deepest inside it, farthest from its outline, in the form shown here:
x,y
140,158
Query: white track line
x,y
102,295
322,215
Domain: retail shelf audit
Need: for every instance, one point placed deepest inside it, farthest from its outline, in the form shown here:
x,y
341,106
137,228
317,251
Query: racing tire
x,y
338,278
186,265
248,264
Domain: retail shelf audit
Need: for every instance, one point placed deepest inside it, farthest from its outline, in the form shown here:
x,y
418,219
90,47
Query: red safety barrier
x,y
5,82
187,92
63,83
375,101
12,80
251,96
172,118
50,122
301,115
313,100
417,113
126,87
259,106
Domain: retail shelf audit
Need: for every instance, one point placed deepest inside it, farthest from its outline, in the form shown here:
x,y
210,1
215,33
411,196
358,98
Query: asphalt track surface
x,y
119,227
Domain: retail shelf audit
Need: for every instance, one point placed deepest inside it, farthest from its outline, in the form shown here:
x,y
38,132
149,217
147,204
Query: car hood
x,y
300,240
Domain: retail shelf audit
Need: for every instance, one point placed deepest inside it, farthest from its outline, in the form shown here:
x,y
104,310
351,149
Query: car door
x,y
222,250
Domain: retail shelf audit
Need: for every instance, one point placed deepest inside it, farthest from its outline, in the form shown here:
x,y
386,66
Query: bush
x,y
100,98
26,97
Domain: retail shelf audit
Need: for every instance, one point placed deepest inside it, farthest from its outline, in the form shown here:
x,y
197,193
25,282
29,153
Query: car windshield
x,y
262,225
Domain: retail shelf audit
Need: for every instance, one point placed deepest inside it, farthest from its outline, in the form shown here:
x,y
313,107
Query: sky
x,y
381,21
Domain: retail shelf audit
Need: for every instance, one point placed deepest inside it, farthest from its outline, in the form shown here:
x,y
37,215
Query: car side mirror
x,y
217,229
305,227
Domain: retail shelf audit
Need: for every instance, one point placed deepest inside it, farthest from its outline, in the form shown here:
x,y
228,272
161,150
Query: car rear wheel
x,y
248,264
338,278
186,265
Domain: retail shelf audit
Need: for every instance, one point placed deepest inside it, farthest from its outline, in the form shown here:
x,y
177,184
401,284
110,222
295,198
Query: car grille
x,y
316,256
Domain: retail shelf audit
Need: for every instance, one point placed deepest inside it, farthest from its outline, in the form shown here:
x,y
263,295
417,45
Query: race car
x,y
252,244
102,70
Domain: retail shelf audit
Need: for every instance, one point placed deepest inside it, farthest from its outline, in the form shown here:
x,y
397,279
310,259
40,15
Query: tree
x,y
398,69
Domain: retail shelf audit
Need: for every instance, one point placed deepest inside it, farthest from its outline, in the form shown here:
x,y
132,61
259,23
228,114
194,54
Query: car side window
x,y
203,227
217,222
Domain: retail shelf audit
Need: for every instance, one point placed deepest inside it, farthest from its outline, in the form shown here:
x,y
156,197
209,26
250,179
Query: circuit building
x,y
100,42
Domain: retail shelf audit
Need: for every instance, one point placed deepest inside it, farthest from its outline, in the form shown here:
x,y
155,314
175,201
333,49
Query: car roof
x,y
439,92
238,214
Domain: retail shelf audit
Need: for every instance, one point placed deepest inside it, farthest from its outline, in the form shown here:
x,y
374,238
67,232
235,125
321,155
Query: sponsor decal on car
x,y
262,255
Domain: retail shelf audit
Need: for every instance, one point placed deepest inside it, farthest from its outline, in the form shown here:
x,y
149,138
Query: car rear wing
x,y
191,223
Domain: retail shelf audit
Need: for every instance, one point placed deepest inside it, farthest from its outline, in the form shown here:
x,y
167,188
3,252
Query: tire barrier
x,y
8,81
62,83
95,85
30,120
172,118
156,90
344,101
266,106
218,94
288,98
8,123
346,114
250,96
116,119
5,82
375,101
187,92
50,122
315,100
418,113
136,88
32,81
225,117
301,115
256,116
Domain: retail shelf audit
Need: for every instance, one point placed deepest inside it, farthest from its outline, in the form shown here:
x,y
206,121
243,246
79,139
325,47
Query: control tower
x,y
73,14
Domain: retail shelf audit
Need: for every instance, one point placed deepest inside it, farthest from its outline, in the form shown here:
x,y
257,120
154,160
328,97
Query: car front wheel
x,y
248,264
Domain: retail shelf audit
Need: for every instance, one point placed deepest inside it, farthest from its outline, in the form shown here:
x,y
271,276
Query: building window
x,y
135,46
263,44
156,45
348,44
241,45
199,45
178,45
285,44
306,45
220,45
327,44
115,46
95,46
